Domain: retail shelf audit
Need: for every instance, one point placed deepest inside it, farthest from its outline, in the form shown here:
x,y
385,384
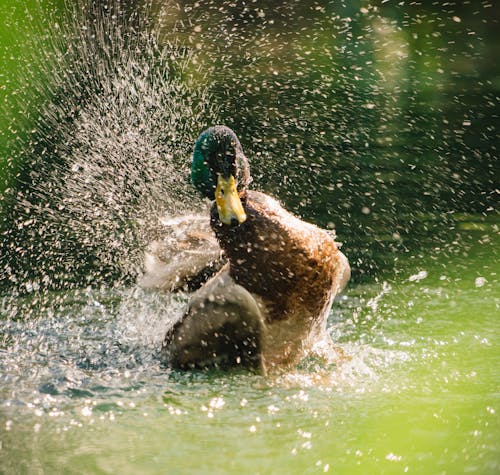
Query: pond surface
x,y
379,120
83,389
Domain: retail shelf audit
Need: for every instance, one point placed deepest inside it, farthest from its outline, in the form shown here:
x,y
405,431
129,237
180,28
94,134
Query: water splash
x,y
109,148
88,344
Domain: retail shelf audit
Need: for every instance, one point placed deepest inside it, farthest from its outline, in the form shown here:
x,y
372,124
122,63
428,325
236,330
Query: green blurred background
x,y
377,118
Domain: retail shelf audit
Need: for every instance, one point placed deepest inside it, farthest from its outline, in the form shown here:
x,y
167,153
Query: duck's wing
x,y
186,255
222,327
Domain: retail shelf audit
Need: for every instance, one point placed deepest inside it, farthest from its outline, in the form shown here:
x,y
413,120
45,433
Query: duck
x,y
266,307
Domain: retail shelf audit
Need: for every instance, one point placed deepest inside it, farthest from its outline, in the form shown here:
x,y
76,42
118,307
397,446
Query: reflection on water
x,y
92,343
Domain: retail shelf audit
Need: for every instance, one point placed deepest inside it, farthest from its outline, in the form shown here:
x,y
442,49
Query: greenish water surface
x,y
417,391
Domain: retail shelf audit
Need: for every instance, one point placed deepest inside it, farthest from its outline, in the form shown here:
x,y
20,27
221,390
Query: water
x,y
113,115
84,389
357,117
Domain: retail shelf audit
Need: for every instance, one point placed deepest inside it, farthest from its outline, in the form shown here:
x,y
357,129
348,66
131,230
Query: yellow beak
x,y
228,202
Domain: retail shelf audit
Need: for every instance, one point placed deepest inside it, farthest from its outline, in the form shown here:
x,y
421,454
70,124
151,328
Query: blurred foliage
x,y
379,119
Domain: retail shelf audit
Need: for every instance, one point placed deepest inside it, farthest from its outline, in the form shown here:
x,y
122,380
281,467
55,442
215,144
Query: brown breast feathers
x,y
290,264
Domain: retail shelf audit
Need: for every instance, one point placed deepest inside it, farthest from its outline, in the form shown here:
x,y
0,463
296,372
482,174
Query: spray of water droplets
x,y
108,154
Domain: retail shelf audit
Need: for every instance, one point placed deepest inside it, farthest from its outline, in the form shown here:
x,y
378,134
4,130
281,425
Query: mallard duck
x,y
268,305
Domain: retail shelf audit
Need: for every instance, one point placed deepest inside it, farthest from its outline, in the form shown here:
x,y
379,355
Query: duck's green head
x,y
219,170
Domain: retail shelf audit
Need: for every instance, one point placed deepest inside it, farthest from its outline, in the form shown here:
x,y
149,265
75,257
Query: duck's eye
x,y
222,191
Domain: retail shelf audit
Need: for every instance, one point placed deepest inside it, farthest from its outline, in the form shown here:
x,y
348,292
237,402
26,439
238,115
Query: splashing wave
x,y
115,114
